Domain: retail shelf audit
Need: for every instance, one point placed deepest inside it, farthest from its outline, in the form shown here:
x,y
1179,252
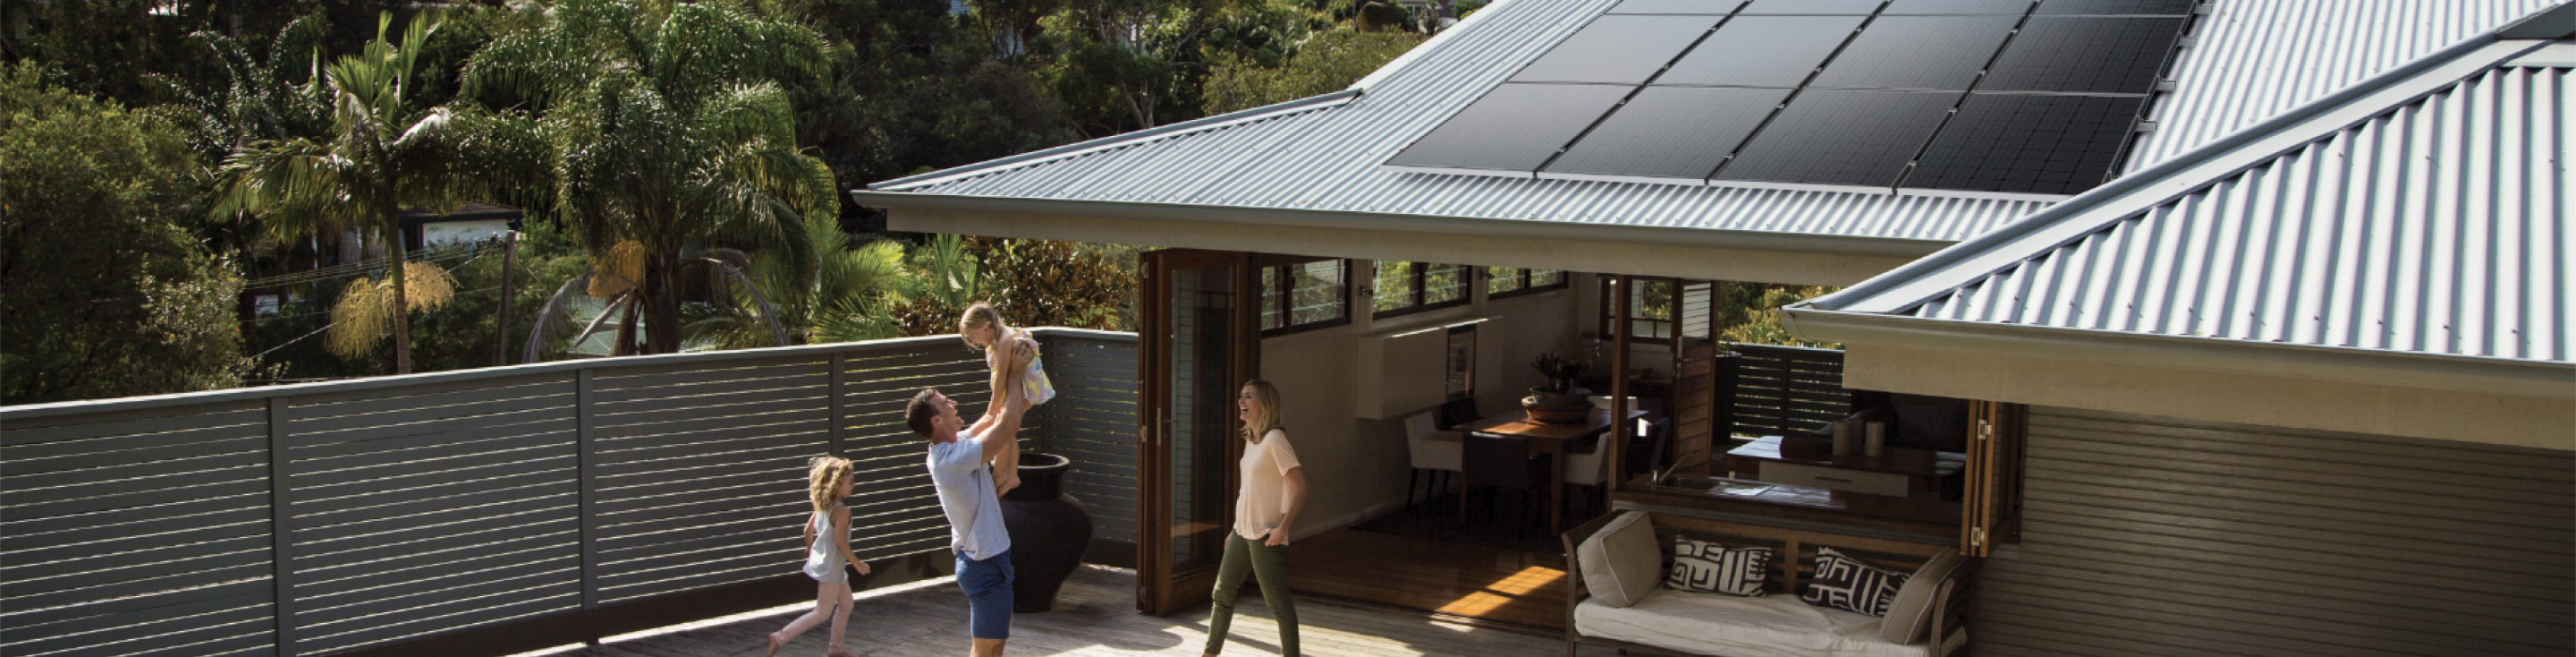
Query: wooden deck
x,y
1096,615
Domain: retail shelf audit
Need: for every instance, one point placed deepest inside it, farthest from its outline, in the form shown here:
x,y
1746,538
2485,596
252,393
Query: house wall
x,y
2158,535
1358,467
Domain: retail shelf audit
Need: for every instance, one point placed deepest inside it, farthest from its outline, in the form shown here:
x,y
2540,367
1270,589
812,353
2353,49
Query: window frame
x,y
1284,286
1416,290
1563,282
1608,313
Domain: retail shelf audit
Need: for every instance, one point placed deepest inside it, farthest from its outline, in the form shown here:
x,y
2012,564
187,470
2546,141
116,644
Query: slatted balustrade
x,y
1779,389
327,518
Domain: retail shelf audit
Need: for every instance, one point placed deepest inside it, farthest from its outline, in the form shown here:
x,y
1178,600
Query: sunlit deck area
x,y
1096,615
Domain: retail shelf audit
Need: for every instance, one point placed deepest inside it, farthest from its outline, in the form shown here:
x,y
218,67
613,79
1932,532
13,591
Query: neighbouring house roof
x,y
1316,161
2414,227
470,211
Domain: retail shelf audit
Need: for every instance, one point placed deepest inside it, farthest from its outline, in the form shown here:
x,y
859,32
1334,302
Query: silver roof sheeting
x,y
2254,59
2436,228
2248,63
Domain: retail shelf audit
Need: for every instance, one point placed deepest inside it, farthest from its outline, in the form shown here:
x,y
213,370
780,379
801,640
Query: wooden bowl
x,y
1556,413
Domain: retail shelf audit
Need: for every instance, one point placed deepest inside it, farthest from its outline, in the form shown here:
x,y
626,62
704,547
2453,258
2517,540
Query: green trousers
x,y
1271,565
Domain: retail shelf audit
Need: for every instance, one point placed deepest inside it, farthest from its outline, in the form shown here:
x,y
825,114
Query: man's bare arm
x,y
1003,438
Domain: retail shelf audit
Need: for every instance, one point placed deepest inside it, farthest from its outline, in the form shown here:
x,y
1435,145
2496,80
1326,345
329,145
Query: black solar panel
x,y
2116,7
1713,7
1764,51
1670,132
1855,7
1841,138
2089,55
1618,49
1917,7
2053,91
2028,144
1515,127
1918,52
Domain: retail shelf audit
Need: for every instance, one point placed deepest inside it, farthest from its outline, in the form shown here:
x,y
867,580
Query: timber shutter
x,y
2146,535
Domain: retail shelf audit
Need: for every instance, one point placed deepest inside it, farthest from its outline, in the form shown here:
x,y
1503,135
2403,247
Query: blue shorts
x,y
988,594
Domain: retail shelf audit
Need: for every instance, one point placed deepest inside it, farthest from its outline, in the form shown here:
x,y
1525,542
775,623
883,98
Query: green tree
x,y
672,130
843,298
102,292
382,155
1327,63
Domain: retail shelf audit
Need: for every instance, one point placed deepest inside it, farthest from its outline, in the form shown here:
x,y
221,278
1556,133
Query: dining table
x,y
1554,440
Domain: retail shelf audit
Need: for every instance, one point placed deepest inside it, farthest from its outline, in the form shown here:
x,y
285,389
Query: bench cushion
x,y
1713,624
1620,564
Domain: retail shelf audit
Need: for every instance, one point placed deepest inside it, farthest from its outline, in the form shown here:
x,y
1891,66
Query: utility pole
x,y
501,330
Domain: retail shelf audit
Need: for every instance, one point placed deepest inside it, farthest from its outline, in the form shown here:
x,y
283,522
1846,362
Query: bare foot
x,y
774,645
1005,484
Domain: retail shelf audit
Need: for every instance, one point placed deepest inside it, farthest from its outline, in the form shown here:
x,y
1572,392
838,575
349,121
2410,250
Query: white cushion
x,y
1911,616
1712,624
1620,564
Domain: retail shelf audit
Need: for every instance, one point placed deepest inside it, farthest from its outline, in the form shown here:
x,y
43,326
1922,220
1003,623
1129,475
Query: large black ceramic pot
x,y
1049,532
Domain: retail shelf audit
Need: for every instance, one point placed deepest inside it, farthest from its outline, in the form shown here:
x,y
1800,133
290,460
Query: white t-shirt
x,y
965,487
1264,499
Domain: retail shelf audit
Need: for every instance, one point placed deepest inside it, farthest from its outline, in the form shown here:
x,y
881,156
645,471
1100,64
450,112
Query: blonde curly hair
x,y
823,478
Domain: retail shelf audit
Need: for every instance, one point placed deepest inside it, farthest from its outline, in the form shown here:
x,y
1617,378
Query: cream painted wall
x,y
1359,468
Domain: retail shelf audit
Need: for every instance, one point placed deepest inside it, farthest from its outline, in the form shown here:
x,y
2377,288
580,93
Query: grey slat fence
x,y
1779,389
330,517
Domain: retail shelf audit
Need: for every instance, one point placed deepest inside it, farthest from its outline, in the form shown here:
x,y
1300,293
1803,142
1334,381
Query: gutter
x,y
2212,355
1886,247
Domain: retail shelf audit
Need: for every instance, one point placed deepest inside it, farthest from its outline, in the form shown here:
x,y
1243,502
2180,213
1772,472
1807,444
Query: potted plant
x,y
1559,400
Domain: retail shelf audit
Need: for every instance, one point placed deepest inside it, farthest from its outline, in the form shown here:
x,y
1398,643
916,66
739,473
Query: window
x,y
1304,295
1461,372
1660,307
1408,287
1503,282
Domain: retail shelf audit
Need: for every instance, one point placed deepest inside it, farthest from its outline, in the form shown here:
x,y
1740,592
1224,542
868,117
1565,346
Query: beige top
x,y
1264,499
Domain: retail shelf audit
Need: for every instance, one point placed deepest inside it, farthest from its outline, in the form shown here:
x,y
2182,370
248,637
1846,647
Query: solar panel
x,y
1763,51
1515,127
2088,55
1920,7
2028,144
1841,138
1918,52
1618,49
1670,132
1849,7
2116,7
1712,7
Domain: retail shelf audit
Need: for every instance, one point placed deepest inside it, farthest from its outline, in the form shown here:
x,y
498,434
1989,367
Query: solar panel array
x,y
1941,97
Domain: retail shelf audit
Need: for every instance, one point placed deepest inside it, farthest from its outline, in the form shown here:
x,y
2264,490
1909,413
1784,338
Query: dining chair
x,y
1434,452
1589,470
1502,463
1646,450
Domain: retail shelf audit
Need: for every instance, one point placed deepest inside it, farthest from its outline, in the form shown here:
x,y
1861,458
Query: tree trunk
x,y
662,302
402,301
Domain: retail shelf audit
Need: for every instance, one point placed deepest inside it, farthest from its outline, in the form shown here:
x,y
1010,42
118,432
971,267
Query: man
x,y
960,468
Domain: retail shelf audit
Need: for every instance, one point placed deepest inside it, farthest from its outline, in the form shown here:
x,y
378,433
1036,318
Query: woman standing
x,y
1274,488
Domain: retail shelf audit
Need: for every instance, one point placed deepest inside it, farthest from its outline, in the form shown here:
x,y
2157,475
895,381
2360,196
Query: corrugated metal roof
x,y
2438,227
2247,67
2254,59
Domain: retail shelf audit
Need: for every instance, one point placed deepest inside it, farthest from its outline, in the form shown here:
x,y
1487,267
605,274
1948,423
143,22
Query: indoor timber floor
x,y
1096,615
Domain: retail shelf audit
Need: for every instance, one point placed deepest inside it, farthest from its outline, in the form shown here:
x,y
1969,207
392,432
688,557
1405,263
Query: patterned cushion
x,y
1844,583
1711,568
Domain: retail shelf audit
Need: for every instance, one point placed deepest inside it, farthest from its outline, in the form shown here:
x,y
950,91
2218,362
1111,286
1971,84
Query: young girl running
x,y
1013,357
827,553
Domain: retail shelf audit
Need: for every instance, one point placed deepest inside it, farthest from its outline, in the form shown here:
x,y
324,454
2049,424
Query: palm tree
x,y
380,156
671,133
844,297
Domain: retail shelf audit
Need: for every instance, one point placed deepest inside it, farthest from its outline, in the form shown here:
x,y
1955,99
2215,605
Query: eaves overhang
x,y
1410,223
2554,381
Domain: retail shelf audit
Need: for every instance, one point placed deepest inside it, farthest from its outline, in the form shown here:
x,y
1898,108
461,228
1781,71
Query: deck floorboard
x,y
1095,616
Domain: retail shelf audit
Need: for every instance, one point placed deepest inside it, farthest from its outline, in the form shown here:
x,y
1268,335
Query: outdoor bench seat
x,y
1668,621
